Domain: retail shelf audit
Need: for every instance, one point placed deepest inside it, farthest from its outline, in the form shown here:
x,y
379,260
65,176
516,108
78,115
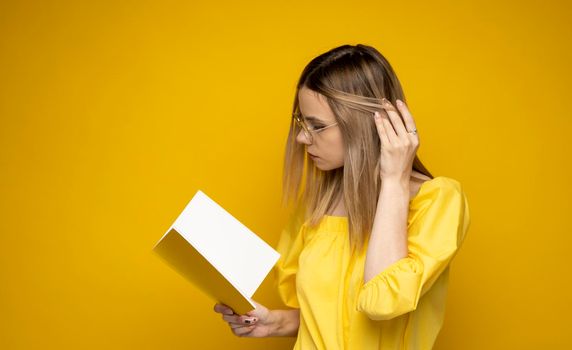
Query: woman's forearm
x,y
286,323
388,240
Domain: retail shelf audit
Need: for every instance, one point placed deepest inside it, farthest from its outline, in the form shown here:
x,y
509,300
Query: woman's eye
x,y
317,127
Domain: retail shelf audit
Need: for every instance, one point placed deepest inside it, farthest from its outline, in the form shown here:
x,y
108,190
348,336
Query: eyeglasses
x,y
309,131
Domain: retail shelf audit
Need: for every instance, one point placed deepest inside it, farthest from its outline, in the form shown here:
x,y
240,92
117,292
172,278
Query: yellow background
x,y
114,113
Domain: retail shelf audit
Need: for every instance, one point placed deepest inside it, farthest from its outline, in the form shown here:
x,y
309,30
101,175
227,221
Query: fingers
x,y
396,127
240,319
381,129
229,315
407,117
389,128
223,309
242,331
396,121
240,324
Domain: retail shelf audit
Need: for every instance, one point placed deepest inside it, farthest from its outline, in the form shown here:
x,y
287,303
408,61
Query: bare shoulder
x,y
417,176
417,179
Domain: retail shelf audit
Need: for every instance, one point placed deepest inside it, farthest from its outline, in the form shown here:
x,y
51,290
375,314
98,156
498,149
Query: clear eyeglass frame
x,y
308,131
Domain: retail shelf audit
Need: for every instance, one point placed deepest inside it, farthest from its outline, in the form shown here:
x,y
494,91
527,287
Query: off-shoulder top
x,y
403,306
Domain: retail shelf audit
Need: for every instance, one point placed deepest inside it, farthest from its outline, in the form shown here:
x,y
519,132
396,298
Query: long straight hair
x,y
353,80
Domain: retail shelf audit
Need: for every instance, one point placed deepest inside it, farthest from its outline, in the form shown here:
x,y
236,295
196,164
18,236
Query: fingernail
x,y
399,103
385,101
376,115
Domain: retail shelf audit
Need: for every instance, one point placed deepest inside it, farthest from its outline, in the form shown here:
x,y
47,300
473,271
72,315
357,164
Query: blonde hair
x,y
353,80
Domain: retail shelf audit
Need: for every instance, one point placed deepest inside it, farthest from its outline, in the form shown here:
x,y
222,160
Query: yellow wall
x,y
113,114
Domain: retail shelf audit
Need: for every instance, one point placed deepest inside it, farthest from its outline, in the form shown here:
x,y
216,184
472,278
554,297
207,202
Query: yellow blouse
x,y
400,308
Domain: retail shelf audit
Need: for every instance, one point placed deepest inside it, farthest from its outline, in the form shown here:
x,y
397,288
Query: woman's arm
x,y
285,323
388,240
434,237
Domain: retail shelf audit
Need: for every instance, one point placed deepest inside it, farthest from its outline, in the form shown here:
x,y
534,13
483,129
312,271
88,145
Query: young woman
x,y
365,255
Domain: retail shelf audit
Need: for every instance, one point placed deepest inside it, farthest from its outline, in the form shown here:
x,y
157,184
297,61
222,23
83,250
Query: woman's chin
x,y
322,166
325,166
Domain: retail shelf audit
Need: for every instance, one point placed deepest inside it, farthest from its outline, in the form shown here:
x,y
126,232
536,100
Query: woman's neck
x,y
414,186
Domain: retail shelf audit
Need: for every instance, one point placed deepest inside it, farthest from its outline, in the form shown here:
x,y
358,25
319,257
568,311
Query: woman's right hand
x,y
257,323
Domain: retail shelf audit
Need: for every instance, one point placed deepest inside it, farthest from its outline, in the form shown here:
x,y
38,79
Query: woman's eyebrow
x,y
313,118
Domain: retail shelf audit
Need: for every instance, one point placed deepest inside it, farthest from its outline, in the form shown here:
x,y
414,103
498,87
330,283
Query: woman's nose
x,y
301,138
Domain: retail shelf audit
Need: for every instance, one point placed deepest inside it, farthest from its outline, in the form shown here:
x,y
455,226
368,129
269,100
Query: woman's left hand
x,y
398,146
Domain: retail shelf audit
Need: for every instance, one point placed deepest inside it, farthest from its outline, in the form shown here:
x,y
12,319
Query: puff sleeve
x,y
434,237
290,244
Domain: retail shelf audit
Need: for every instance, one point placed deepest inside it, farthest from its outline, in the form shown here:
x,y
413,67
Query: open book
x,y
217,253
